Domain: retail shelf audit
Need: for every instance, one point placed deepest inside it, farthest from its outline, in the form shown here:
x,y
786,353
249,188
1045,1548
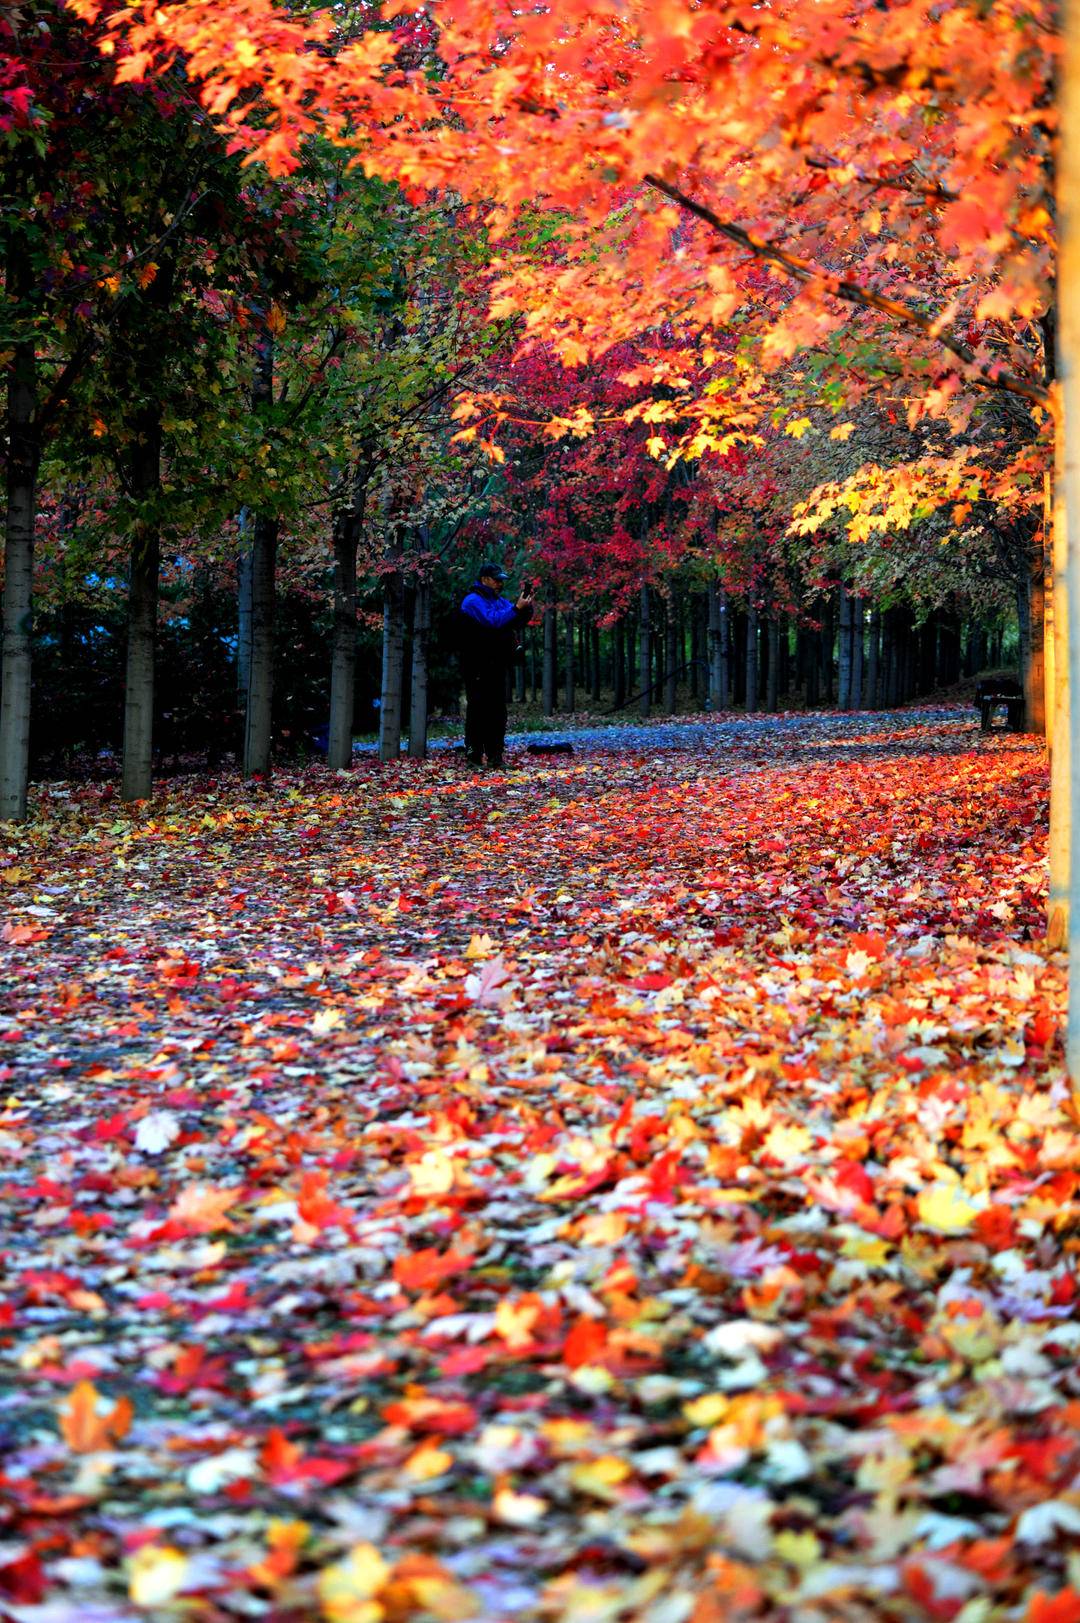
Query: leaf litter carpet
x,y
642,1186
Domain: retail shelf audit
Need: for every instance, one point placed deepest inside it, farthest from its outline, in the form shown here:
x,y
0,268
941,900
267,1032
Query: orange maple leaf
x,y
201,1208
85,1428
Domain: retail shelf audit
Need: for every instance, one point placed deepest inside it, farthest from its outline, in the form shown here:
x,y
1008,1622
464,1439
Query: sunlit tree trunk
x,y
1057,924
1034,666
1068,368
23,459
1050,662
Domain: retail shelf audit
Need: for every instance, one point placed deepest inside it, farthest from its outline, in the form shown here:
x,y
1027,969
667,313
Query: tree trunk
x,y
418,699
751,660
858,616
695,650
1035,668
772,684
550,658
1068,367
673,641
393,666
1058,852
715,634
872,696
826,642
843,688
1024,643
138,767
645,652
258,729
346,534
594,647
243,611
618,664
258,721
23,460
571,661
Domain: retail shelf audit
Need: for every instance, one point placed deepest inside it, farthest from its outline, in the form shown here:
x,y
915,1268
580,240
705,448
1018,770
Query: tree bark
x,y
23,461
243,611
418,707
550,657
1035,668
843,686
258,721
571,662
594,649
1060,842
1068,426
673,651
138,765
258,728
772,680
393,666
751,659
645,652
872,696
858,615
346,535
715,646
618,664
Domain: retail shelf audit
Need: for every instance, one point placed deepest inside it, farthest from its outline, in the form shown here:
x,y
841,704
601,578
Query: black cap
x,y
491,569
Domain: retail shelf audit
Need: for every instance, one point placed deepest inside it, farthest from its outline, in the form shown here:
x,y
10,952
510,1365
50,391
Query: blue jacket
x,y
487,631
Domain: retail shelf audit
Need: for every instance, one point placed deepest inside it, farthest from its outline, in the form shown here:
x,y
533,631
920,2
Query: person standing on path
x,y
489,624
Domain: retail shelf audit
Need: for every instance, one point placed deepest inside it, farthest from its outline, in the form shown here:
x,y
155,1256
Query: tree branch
x,y
841,287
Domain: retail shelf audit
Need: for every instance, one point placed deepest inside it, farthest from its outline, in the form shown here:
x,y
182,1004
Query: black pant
x,y
485,714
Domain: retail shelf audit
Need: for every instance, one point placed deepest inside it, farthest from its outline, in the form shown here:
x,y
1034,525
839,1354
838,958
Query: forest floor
x,y
638,1186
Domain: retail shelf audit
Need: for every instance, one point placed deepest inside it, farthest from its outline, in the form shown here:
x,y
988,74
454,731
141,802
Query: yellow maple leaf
x,y
842,431
946,1208
514,1322
797,427
433,1174
156,1574
600,1477
347,1590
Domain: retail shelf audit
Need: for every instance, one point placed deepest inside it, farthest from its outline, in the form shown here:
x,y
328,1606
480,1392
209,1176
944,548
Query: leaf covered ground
x,y
638,1187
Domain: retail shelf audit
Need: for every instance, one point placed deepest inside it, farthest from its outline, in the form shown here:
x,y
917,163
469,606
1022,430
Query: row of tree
x,y
294,398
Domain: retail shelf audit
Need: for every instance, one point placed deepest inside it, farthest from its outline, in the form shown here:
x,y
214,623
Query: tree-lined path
x,y
631,1187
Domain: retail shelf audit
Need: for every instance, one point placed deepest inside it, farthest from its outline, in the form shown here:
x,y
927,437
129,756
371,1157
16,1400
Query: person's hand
x,y
525,601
